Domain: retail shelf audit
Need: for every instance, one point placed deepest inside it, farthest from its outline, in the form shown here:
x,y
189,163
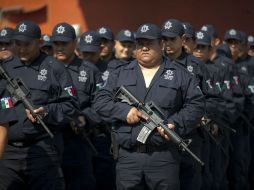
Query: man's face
x,y
148,52
234,46
106,47
172,46
124,50
6,50
202,52
91,56
27,51
64,51
251,51
189,45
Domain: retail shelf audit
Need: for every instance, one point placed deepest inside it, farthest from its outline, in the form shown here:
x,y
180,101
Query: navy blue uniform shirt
x,y
51,87
173,89
87,80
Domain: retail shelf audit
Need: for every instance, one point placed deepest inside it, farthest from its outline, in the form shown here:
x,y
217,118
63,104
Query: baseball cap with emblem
x,y
6,35
89,42
203,38
105,33
210,29
232,34
188,30
251,40
125,36
27,31
148,31
63,32
172,28
46,40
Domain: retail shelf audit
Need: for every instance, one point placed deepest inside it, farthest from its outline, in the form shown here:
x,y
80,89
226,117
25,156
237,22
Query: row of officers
x,y
204,89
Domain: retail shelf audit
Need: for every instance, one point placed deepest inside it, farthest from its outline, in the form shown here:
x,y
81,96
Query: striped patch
x,y
69,90
6,103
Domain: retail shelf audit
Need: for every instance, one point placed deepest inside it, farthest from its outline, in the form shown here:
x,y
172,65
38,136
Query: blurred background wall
x,y
118,14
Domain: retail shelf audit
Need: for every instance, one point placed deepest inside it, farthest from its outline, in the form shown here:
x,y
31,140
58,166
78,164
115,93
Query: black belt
x,y
143,148
26,143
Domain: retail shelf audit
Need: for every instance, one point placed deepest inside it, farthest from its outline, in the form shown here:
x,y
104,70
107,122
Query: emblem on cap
x,y
46,38
144,28
88,38
127,33
250,39
22,28
232,32
200,35
102,30
204,28
60,29
184,26
168,25
3,32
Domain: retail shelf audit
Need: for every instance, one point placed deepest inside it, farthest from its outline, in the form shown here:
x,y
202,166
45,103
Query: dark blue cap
x,y
244,38
210,29
46,40
172,28
224,50
203,38
251,40
6,35
63,32
232,34
27,31
125,36
89,42
148,31
188,30
105,33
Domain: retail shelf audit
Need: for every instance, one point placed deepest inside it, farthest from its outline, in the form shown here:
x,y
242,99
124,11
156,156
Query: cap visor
x,y
61,39
202,43
169,34
88,48
5,40
22,38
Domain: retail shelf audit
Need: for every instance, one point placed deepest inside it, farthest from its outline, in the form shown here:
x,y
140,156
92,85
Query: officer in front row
x,y
77,157
32,159
154,165
173,37
6,43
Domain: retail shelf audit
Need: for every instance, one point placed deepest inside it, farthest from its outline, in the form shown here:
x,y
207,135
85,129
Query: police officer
x,y
89,46
107,43
124,47
173,36
32,159
154,165
77,158
218,138
46,45
239,158
6,43
251,45
189,37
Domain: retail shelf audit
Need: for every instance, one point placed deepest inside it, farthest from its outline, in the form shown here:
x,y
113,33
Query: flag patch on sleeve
x,y
69,90
6,103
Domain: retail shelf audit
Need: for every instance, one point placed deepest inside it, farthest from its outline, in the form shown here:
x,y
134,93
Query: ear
x,y
216,41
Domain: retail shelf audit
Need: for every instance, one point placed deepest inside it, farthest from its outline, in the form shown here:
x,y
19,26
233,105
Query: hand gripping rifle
x,y
153,113
19,92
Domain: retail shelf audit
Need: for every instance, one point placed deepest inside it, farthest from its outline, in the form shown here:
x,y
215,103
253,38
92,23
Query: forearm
x,y
3,138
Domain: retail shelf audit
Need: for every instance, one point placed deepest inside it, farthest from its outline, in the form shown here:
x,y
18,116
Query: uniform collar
x,y
74,64
35,64
182,58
